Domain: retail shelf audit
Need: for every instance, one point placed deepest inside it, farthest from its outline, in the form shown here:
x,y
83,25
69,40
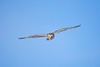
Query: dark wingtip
x,y
78,25
21,38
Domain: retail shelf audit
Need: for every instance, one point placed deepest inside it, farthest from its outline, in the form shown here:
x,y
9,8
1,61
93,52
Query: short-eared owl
x,y
50,36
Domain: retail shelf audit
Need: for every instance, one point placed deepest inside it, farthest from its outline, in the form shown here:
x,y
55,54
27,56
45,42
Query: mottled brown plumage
x,y
50,36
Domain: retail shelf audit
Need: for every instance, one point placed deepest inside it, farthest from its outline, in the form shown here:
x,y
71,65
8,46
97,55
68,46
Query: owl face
x,y
50,36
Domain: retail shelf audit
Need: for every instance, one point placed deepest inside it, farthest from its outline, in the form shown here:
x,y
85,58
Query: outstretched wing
x,y
65,29
33,36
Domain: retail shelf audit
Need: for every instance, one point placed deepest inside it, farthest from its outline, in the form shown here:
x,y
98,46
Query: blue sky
x,y
79,47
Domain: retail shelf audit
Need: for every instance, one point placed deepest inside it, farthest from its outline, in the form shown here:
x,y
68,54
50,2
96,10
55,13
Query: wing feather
x,y
65,29
34,36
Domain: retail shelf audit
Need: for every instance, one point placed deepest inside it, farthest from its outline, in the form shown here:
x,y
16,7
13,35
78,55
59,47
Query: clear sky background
x,y
79,47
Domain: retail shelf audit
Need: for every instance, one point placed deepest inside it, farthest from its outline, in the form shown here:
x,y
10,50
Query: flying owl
x,y
49,36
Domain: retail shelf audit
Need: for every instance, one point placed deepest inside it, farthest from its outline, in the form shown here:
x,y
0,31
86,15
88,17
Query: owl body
x,y
50,36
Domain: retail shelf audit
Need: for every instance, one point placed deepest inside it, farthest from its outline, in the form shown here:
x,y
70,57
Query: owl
x,y
49,36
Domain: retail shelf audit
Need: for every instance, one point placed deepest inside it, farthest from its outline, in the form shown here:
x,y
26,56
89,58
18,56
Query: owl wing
x,y
65,29
34,36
